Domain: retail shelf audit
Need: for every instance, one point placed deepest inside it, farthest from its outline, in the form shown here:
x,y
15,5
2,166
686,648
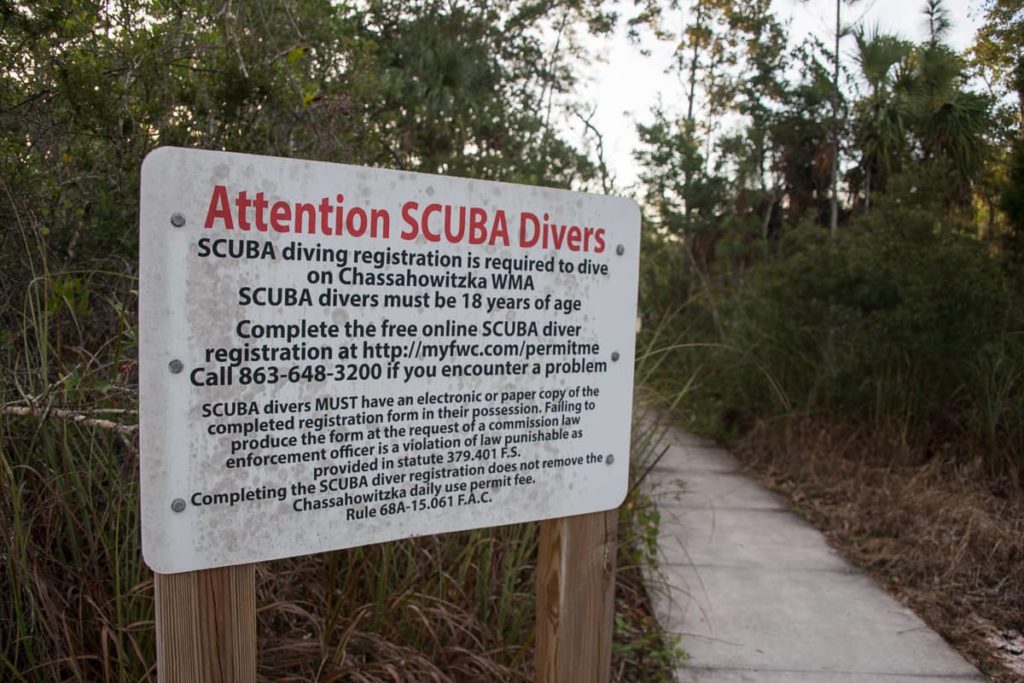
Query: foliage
x,y
911,313
999,46
87,89
905,321
1012,202
815,318
91,87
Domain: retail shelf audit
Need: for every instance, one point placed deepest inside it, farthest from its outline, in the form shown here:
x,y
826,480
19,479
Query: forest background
x,y
832,281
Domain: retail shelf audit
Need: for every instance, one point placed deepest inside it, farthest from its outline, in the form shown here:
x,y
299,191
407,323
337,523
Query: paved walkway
x,y
758,595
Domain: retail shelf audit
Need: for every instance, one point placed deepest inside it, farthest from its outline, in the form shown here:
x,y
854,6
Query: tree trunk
x,y
867,190
834,200
693,60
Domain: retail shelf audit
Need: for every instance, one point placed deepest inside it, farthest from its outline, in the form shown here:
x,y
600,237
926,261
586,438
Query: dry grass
x,y
456,607
77,600
943,537
416,614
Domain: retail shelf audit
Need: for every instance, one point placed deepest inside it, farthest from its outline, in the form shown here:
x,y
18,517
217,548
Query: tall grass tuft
x,y
998,406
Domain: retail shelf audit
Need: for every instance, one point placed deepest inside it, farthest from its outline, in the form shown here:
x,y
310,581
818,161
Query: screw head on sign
x,y
615,356
177,219
609,459
178,504
176,366
620,250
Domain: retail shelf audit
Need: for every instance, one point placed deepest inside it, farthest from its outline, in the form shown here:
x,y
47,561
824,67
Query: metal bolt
x,y
178,504
177,219
609,459
615,356
176,366
620,250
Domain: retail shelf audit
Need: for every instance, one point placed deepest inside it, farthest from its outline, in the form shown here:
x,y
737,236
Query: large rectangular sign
x,y
332,356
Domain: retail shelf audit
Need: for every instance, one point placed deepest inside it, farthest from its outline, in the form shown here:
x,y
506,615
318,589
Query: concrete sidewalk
x,y
758,595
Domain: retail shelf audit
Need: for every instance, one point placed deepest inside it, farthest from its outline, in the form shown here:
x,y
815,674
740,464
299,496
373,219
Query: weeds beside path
x,y
934,533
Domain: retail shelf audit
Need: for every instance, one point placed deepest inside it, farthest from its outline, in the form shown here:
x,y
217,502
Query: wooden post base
x,y
206,625
576,598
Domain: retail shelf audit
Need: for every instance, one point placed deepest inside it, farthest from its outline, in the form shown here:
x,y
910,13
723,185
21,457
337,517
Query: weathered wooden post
x,y
206,625
576,598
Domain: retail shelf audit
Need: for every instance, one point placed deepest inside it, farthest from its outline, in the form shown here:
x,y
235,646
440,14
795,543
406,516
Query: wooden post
x,y
576,598
206,625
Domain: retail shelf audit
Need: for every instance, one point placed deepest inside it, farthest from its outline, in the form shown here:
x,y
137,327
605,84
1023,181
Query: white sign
x,y
332,356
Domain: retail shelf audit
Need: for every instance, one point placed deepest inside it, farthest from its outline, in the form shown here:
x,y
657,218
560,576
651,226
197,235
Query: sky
x,y
622,87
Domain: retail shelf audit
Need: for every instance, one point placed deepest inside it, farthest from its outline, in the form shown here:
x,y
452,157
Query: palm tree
x,y
918,107
949,122
880,118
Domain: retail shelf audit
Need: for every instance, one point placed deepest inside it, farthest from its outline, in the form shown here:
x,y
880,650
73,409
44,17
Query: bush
x,y
900,319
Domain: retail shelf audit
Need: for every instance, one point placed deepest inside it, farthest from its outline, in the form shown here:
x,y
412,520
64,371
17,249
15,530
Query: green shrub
x,y
901,320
